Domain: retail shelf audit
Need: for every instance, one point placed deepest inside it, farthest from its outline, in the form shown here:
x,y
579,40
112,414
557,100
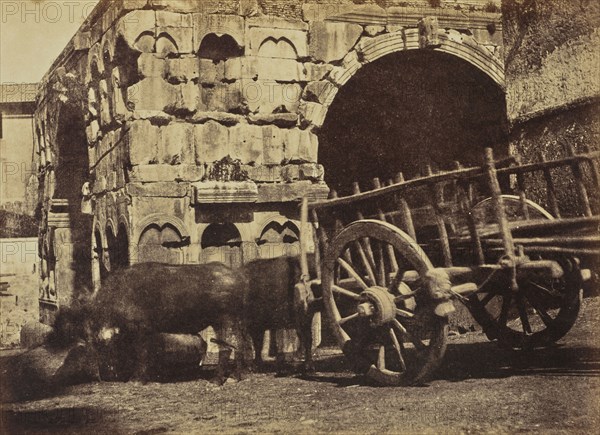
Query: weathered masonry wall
x,y
553,91
187,131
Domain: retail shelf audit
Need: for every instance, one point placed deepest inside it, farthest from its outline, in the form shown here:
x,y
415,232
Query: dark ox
x,y
276,302
137,303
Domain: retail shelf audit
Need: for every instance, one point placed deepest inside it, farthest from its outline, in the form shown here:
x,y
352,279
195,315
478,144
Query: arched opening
x,y
221,243
100,266
407,110
277,240
162,244
219,47
74,267
117,248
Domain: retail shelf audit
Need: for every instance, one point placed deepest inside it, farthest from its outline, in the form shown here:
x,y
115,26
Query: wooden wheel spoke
x,y
347,256
506,301
348,318
523,315
404,313
342,291
542,314
398,349
352,273
486,300
381,275
381,358
366,242
405,297
392,288
365,261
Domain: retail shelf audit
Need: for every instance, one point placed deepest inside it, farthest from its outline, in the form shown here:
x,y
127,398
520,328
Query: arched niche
x,y
279,238
219,47
221,243
161,243
118,246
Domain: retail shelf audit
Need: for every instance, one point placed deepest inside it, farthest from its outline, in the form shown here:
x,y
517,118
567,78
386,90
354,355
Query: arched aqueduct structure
x,y
183,131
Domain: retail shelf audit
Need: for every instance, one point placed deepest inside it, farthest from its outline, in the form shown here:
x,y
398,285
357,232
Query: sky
x,y
34,32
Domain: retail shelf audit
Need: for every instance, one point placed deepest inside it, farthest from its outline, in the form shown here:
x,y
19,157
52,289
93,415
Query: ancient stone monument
x,y
187,131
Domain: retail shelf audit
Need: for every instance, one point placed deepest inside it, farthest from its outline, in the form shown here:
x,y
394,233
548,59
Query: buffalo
x,y
137,303
277,300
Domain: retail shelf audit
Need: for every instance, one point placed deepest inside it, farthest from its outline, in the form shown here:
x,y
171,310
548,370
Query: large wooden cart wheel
x,y
542,311
385,325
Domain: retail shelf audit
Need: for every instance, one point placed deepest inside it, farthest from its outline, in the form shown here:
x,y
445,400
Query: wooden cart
x,y
393,259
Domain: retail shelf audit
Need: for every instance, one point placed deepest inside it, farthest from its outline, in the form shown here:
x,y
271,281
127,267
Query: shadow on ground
x,y
73,420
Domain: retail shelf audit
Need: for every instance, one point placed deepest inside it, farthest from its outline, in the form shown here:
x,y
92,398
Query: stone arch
x,y
278,48
391,78
219,47
221,242
279,237
159,219
369,50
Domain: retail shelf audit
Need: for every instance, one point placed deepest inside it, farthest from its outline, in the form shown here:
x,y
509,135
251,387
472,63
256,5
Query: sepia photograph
x,y
299,216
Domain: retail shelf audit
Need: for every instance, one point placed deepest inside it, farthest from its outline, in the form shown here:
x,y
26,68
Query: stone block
x,y
184,6
105,114
286,192
209,72
277,43
161,189
278,119
120,111
322,11
265,174
273,22
182,70
221,117
330,42
137,28
154,173
269,96
290,173
231,25
174,40
173,19
374,30
211,142
273,148
280,70
391,28
316,71
188,97
313,113
142,142
190,173
176,143
152,93
320,92
247,143
311,171
300,146
151,66
341,74
222,97
237,68
249,8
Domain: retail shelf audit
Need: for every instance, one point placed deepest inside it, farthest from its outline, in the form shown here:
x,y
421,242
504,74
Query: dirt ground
x,y
480,388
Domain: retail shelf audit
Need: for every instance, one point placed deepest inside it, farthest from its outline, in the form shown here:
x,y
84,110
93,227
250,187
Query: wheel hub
x,y
380,305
